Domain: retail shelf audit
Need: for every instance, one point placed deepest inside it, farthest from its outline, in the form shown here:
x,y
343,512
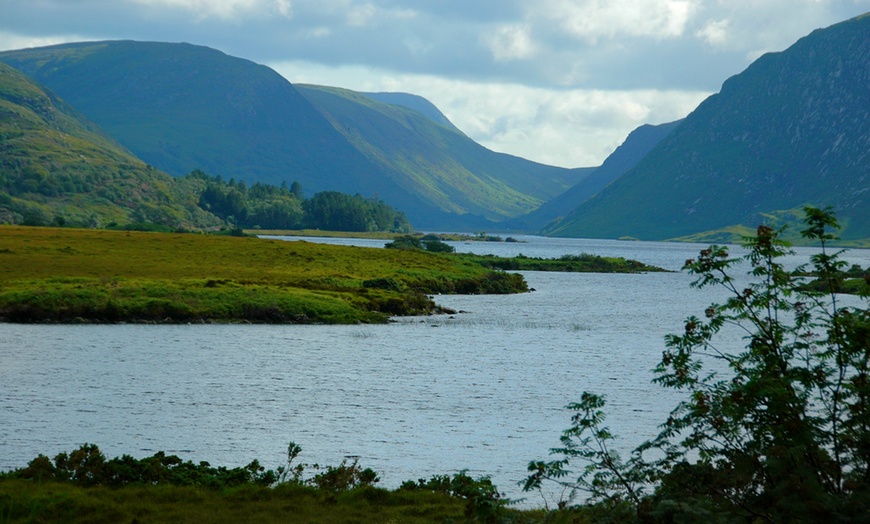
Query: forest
x,y
264,206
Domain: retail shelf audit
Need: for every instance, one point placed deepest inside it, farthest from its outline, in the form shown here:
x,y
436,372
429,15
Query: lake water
x,y
483,390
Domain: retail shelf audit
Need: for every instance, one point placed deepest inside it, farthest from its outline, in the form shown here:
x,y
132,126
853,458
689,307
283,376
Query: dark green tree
x,y
296,189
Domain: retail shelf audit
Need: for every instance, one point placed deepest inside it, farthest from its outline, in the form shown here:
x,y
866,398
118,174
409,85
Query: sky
x,y
560,82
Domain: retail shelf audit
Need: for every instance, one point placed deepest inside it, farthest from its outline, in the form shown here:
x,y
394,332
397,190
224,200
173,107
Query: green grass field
x,y
24,501
69,275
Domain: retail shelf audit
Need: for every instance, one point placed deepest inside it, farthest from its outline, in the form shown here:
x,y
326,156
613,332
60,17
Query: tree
x,y
296,189
782,434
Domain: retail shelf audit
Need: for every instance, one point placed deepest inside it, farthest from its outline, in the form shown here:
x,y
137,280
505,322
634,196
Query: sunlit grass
x,y
49,274
50,502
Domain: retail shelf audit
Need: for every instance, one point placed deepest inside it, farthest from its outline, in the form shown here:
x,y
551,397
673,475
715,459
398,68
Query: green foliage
x,y
437,246
484,503
84,486
429,243
335,211
405,242
616,486
344,477
263,206
782,436
87,466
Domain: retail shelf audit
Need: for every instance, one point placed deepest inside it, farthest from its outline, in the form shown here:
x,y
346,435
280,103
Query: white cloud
x,y
225,9
284,8
715,33
361,15
511,42
592,20
570,128
9,40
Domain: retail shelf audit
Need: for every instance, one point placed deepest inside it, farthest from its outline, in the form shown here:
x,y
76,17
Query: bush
x,y
483,501
437,246
404,242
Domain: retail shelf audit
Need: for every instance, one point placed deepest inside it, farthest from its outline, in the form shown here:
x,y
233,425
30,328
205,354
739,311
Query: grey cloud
x,y
443,37
520,99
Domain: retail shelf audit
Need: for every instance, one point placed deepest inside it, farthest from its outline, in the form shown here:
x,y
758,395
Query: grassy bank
x,y
24,501
69,275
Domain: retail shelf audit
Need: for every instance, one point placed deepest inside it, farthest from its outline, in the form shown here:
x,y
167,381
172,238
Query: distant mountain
x,y
56,168
793,129
416,103
181,107
638,143
438,162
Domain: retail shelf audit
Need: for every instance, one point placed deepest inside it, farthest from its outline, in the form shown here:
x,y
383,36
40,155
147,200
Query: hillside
x,y
436,161
182,107
58,168
793,129
636,145
415,103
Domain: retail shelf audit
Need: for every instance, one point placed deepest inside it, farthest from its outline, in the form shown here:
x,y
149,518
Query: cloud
x,y
511,43
715,32
224,9
592,20
10,40
559,81
361,15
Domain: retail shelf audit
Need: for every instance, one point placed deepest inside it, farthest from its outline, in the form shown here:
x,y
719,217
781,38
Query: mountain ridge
x,y
792,129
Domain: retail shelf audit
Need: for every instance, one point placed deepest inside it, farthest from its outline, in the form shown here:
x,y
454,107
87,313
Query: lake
x,y
483,390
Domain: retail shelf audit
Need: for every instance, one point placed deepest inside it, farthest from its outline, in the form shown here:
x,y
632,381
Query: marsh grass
x,y
29,501
68,275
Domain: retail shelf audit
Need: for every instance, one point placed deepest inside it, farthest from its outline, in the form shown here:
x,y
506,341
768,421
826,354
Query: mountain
x,y
58,168
436,161
792,129
182,107
416,103
636,145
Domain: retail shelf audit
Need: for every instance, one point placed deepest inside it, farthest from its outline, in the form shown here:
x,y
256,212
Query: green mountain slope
x,y
793,129
58,168
636,145
436,161
181,107
416,103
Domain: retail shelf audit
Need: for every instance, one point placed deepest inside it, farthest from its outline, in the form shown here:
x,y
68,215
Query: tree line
x,y
265,206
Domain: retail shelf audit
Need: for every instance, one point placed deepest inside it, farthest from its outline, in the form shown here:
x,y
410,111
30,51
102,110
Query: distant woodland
x,y
264,206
